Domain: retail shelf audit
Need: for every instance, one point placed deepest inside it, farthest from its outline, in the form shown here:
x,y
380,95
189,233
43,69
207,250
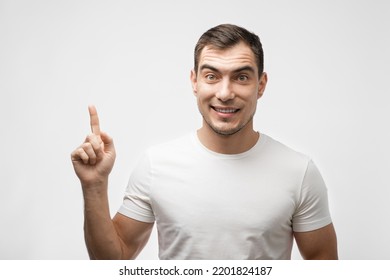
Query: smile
x,y
225,110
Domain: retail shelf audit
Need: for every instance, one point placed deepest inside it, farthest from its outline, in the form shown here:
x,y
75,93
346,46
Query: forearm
x,y
101,238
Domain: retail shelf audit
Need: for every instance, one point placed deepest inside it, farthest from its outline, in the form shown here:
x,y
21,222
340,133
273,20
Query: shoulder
x,y
162,155
284,154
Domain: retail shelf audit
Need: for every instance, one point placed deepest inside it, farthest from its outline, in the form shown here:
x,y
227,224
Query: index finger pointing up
x,y
94,119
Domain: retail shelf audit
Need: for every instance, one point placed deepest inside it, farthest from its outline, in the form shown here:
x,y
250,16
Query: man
x,y
224,192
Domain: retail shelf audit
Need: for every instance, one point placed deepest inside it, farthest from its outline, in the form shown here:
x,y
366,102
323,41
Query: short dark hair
x,y
225,36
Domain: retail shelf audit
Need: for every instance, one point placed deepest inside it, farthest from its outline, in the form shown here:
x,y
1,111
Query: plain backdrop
x,y
327,96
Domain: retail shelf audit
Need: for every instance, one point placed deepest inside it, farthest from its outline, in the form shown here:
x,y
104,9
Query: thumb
x,y
107,142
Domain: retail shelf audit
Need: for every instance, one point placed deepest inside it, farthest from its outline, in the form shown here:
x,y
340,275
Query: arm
x,y
320,244
93,162
119,238
133,234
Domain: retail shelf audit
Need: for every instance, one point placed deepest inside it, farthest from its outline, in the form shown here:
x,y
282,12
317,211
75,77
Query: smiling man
x,y
227,84
225,191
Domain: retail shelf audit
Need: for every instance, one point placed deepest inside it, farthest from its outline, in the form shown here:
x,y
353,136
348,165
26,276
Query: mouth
x,y
225,110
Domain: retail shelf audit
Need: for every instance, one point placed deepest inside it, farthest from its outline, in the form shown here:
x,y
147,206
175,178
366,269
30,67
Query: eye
x,y
210,77
242,78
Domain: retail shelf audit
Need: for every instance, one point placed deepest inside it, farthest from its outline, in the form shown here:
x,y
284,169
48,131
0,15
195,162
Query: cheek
x,y
251,101
201,100
205,92
203,87
254,104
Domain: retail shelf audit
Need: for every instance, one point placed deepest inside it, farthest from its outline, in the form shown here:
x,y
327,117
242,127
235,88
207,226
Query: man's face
x,y
227,87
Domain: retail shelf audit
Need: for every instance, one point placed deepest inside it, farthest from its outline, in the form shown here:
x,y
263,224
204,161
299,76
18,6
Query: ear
x,y
194,82
262,84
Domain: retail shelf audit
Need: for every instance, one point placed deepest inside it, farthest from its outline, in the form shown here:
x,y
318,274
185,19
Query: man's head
x,y
228,79
225,36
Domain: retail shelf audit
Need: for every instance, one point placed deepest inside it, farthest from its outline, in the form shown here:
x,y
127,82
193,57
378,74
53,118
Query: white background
x,y
327,96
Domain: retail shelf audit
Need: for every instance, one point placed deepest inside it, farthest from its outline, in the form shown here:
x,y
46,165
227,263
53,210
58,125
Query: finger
x,y
88,149
96,143
107,141
79,154
94,120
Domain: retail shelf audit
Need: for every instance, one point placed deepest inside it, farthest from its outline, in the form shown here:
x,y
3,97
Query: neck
x,y
236,143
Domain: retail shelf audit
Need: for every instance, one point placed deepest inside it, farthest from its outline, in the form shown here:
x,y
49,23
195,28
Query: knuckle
x,y
88,138
93,140
81,152
79,155
86,146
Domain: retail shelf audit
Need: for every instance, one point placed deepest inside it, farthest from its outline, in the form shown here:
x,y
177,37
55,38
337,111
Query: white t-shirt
x,y
216,206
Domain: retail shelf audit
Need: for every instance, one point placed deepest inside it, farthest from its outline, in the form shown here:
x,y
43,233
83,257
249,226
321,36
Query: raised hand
x,y
93,160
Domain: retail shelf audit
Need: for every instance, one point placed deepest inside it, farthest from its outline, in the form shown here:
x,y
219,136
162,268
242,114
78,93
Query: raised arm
x,y
93,161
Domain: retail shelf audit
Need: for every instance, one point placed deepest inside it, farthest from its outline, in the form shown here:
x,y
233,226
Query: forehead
x,y
235,57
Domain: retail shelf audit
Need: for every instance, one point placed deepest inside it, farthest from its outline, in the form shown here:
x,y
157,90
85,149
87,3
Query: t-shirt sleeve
x,y
136,201
313,210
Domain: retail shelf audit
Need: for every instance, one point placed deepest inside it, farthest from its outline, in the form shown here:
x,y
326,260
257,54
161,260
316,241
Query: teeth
x,y
225,111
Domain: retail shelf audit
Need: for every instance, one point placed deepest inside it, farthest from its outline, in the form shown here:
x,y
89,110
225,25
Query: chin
x,y
228,129
224,131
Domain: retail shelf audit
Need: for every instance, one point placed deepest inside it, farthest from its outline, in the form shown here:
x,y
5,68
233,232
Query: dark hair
x,y
225,36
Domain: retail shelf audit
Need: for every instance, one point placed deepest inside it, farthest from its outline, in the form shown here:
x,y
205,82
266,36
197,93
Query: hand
x,y
94,159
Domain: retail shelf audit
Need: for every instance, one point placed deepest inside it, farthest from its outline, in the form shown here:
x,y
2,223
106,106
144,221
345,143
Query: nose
x,y
225,91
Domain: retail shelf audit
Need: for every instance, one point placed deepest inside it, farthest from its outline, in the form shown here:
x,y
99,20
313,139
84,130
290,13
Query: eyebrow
x,y
212,68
